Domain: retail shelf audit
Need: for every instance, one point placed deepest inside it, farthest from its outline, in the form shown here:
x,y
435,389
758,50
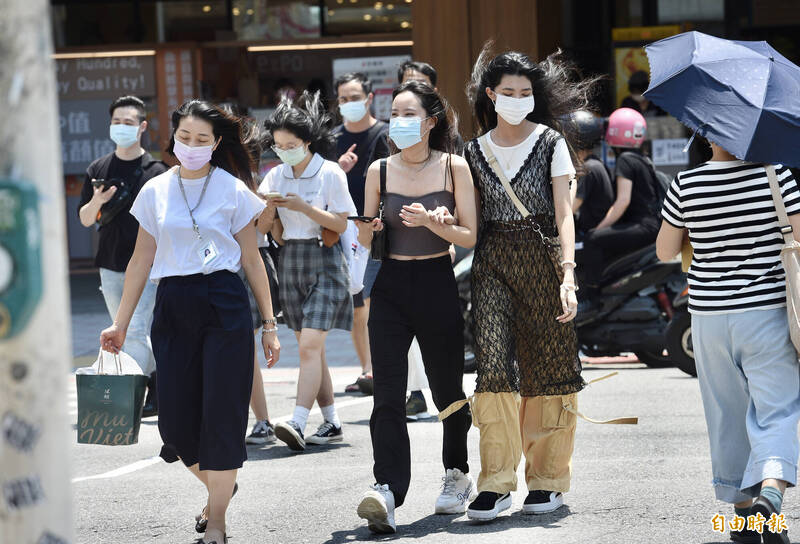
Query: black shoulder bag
x,y
379,249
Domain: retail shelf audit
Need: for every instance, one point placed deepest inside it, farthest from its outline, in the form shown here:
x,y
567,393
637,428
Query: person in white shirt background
x,y
196,230
312,201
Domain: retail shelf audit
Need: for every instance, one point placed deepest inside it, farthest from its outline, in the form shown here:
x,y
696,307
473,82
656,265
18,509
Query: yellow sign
x,y
644,33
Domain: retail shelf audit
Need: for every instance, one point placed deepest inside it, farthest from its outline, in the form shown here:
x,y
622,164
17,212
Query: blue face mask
x,y
124,135
405,131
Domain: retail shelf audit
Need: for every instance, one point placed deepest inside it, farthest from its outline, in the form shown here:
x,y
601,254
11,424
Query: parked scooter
x,y
635,309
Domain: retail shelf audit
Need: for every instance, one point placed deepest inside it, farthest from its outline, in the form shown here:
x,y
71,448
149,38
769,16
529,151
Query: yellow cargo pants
x,y
540,427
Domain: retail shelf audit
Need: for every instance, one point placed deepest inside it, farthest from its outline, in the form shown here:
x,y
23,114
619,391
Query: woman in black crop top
x,y
415,294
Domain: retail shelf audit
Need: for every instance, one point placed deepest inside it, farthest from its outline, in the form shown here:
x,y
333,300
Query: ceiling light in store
x,y
409,1
250,11
206,9
390,7
102,54
353,1
236,12
331,13
378,5
339,45
367,17
405,24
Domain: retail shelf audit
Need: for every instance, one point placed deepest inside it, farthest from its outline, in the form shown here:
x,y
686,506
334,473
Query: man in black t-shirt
x,y
360,141
595,193
118,229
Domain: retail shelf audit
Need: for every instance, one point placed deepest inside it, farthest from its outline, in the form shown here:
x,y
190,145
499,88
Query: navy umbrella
x,y
743,96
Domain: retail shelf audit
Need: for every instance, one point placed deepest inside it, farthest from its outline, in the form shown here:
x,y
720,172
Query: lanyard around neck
x,y
186,201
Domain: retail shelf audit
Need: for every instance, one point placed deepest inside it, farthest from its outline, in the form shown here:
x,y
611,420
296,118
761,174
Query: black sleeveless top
x,y
415,241
532,183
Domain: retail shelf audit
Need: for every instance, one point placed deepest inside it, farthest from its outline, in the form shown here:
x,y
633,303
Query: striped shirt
x,y
733,227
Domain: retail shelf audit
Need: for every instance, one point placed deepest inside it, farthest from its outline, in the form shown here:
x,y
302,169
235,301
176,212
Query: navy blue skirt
x,y
203,344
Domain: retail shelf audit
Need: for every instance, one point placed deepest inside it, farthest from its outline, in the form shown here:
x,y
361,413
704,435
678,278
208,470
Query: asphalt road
x,y
648,483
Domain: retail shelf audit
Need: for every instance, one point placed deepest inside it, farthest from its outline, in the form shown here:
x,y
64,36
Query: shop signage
x,y
105,77
382,71
84,133
669,152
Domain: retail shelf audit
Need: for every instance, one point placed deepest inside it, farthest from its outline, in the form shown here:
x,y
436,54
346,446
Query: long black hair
x,y
442,136
557,89
231,154
307,119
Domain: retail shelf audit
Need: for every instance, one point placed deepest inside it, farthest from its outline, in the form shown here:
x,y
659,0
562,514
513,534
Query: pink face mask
x,y
192,158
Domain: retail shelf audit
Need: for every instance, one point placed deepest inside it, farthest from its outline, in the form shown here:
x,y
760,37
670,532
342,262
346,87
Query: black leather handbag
x,y
379,249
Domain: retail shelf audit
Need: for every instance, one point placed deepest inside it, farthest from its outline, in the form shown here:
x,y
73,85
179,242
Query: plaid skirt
x,y
314,286
272,277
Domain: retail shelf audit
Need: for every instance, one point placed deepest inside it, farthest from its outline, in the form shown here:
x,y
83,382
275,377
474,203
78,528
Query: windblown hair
x,y
558,90
231,154
307,119
443,134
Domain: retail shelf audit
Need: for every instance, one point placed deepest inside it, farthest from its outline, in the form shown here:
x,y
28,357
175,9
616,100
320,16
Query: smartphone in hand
x,y
362,218
274,195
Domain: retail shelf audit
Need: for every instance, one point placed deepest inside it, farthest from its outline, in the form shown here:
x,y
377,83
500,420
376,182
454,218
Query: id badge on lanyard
x,y
206,249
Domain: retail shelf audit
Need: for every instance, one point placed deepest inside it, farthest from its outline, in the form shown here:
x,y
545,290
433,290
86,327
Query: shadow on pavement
x,y
280,451
435,524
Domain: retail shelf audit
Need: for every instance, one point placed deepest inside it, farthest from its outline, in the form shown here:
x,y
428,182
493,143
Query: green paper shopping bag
x,y
110,406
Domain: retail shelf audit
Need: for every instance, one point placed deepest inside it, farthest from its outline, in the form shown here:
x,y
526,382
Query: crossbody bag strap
x,y
383,188
780,207
492,160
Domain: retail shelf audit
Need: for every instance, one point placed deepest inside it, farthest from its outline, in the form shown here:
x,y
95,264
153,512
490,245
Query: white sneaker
x,y
377,507
457,489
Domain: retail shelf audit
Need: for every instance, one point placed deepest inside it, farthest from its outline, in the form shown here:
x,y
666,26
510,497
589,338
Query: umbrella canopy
x,y
743,96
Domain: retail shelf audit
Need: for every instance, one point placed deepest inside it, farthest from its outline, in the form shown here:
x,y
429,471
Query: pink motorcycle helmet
x,y
626,128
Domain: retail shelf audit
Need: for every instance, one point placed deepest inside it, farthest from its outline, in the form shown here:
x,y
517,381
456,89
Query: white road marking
x,y
144,463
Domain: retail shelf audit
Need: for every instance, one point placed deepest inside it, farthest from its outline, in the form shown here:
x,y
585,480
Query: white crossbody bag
x,y
790,257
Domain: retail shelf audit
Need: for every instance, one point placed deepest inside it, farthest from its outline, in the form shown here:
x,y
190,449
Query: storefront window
x,y
366,16
276,20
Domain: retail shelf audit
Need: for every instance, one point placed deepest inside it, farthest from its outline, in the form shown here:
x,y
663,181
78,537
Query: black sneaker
x,y
764,507
542,502
263,433
326,433
291,434
746,536
488,505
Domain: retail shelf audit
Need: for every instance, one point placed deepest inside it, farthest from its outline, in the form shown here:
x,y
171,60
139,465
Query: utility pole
x,y
35,498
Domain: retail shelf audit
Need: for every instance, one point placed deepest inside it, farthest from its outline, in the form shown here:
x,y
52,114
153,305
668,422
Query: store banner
x,y
105,77
84,133
177,82
629,55
382,71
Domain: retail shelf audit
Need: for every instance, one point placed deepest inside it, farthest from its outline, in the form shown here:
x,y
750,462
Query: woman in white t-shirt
x,y
312,202
523,287
196,230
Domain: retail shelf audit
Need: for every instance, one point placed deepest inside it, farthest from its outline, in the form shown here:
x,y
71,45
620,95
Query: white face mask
x,y
353,112
513,110
293,156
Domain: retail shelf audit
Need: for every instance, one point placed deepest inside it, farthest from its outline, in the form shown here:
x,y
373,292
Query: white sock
x,y
329,414
300,417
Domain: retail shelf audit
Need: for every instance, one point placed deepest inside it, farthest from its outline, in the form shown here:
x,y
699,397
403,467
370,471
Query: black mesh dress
x,y
519,345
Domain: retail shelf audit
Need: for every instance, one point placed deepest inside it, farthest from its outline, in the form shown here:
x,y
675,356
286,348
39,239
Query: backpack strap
x,y
492,160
